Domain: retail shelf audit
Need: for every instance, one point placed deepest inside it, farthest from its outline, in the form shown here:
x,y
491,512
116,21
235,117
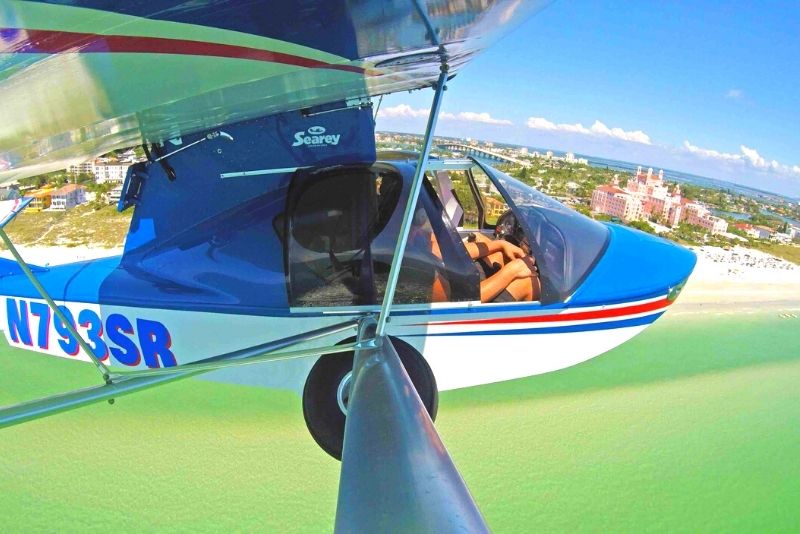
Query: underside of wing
x,y
82,77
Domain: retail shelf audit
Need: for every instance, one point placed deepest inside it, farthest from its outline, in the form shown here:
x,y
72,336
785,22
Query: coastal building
x,y
647,196
700,216
781,238
611,200
41,199
494,208
67,197
762,232
757,232
106,169
110,173
129,157
87,167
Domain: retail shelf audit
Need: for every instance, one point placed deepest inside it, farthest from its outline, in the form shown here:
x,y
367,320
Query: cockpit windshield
x,y
565,243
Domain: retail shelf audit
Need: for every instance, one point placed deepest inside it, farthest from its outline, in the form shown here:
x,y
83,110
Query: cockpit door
x,y
341,227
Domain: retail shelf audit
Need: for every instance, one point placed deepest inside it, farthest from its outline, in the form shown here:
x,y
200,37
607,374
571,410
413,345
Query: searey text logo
x,y
315,136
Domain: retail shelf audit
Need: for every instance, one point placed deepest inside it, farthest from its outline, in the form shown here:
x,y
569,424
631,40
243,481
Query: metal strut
x,y
36,409
70,326
396,473
413,195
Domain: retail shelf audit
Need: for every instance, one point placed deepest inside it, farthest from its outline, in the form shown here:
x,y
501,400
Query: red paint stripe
x,y
561,317
24,41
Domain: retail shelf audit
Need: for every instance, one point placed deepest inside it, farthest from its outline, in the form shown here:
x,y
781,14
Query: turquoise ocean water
x,y
691,426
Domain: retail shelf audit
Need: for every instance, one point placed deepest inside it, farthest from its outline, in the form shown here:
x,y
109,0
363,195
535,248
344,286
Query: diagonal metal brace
x,y
411,205
396,474
53,306
36,409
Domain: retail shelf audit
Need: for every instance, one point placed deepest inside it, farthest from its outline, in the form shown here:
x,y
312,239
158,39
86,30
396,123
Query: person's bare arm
x,y
495,284
483,247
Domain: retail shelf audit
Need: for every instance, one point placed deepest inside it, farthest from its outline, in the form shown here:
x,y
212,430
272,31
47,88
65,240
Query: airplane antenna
x,y
377,108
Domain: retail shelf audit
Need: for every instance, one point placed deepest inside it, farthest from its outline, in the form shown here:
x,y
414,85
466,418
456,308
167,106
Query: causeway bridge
x,y
482,153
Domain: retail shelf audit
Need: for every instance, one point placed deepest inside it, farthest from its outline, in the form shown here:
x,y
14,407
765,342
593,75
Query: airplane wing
x,y
79,78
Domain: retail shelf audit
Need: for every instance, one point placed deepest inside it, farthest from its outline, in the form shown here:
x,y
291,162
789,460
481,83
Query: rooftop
x,y
67,189
611,189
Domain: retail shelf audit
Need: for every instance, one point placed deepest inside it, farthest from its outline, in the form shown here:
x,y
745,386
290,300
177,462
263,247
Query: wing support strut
x,y
396,474
70,326
408,216
36,409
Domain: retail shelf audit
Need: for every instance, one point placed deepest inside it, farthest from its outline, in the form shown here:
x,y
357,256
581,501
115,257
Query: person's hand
x,y
524,267
511,251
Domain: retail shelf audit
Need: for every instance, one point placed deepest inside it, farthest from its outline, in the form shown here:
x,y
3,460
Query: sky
x,y
708,88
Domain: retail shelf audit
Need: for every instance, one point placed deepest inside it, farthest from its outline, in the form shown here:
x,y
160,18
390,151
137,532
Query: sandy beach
x,y
44,256
739,277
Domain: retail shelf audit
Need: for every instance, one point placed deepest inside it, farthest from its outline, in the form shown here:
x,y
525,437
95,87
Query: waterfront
x,y
746,216
690,426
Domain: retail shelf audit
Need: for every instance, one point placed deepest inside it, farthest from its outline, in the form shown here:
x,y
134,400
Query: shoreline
x,y
742,278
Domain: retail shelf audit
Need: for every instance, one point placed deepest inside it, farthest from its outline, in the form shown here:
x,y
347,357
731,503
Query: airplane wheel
x,y
327,390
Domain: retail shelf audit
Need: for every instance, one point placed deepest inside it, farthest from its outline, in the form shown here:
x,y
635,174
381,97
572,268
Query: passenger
x,y
512,275
515,278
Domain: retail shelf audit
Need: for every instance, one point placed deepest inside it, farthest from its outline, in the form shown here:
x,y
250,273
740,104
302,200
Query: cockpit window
x,y
455,193
566,244
343,211
342,227
493,203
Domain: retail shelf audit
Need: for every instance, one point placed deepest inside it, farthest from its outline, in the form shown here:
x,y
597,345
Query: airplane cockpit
x,y
341,224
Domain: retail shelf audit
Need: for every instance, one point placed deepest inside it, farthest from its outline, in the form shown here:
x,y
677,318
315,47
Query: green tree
x,y
35,181
642,225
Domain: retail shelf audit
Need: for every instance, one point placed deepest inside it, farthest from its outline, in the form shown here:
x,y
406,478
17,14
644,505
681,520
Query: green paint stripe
x,y
21,14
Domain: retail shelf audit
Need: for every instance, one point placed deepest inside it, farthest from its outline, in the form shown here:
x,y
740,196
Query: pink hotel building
x,y
646,195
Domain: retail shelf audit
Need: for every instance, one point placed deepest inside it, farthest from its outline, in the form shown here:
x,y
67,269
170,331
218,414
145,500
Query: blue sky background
x,y
698,87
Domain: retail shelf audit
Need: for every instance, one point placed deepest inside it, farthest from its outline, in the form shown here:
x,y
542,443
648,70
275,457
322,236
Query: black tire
x,y
324,418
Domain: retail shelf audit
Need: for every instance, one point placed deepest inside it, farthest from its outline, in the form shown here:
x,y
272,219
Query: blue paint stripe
x,y
610,325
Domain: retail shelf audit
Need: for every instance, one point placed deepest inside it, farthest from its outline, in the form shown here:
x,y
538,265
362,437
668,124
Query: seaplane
x,y
272,244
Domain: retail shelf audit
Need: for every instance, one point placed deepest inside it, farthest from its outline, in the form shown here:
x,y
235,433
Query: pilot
x,y
507,273
514,277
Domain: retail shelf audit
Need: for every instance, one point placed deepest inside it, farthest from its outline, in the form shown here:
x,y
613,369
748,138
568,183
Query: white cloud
x,y
538,123
479,117
747,156
735,94
709,153
406,111
636,136
755,159
402,110
598,128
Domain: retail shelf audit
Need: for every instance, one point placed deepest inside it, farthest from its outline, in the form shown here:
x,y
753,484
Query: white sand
x,y
43,256
741,277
